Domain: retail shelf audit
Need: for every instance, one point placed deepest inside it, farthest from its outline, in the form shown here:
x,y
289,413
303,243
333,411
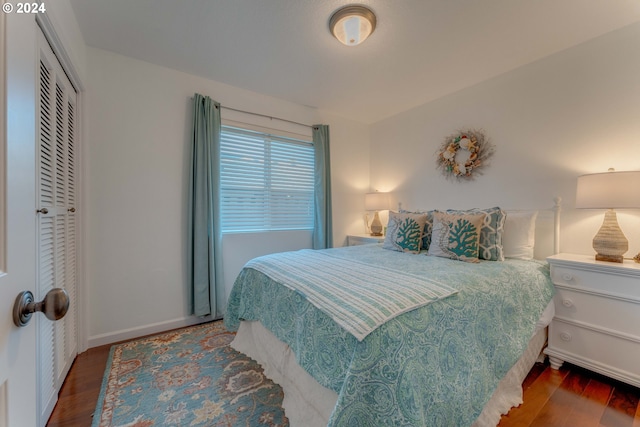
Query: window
x,y
266,182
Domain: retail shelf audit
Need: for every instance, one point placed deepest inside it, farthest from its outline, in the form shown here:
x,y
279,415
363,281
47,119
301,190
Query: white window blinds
x,y
266,182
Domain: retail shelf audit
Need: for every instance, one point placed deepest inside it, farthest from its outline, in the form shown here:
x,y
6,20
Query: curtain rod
x,y
268,117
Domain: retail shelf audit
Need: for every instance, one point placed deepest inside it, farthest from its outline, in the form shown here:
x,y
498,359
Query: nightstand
x,y
597,320
363,239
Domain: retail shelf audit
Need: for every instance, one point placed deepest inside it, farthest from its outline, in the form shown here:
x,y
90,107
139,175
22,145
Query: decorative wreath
x,y
464,152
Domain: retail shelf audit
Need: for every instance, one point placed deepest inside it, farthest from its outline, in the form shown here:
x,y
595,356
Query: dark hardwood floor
x,y
570,397
79,393
574,397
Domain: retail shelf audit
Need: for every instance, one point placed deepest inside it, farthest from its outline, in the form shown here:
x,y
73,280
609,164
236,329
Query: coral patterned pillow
x,y
428,225
404,232
491,246
456,236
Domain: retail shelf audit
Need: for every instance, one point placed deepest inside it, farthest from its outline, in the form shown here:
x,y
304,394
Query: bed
x,y
457,356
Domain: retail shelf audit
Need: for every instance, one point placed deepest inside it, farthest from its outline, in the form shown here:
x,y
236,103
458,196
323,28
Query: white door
x,y
56,229
17,227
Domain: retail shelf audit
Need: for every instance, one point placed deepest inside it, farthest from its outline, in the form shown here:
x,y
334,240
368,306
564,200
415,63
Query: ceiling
x,y
421,49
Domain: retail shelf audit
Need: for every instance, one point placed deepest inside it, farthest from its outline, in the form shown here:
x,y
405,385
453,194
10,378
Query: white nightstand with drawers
x,y
363,239
597,320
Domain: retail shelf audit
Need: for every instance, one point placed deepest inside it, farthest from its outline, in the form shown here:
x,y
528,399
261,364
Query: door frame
x,y
3,158
47,26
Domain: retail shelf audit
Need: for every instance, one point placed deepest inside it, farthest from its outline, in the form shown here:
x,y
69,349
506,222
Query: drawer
x,y
599,311
363,240
357,241
597,347
614,284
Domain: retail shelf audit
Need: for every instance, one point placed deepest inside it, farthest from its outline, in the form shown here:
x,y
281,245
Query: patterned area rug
x,y
188,377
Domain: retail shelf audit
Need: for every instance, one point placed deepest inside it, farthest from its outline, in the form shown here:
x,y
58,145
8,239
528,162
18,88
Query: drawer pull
x,y
567,277
565,336
567,302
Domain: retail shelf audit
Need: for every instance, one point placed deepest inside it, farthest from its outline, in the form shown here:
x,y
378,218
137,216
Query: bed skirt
x,y
307,403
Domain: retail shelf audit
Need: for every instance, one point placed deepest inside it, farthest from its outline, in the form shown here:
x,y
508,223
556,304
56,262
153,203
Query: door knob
x,y
54,306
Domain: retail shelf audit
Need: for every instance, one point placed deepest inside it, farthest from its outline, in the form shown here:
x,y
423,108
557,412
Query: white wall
x,y
571,113
138,148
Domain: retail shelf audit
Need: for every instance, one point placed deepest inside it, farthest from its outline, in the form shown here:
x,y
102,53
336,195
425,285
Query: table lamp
x,y
609,190
376,202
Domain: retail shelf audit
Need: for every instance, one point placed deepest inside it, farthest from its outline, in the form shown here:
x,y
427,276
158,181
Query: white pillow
x,y
519,237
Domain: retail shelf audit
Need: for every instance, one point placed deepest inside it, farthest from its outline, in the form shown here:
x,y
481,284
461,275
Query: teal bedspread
x,y
436,365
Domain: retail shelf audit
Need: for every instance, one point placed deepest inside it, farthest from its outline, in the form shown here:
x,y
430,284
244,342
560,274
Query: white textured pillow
x,y
519,234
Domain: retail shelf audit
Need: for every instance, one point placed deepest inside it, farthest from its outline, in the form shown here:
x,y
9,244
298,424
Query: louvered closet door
x,y
57,224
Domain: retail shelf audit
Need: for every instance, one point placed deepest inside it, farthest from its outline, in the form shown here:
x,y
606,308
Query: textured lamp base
x,y
376,225
610,243
609,258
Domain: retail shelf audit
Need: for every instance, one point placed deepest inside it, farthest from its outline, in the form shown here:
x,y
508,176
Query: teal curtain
x,y
323,228
204,246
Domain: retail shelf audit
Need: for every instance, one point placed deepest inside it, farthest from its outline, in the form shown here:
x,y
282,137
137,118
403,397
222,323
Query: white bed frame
x,y
548,230
308,404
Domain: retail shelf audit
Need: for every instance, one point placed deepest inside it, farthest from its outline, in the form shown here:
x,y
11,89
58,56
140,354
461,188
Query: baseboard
x,y
154,328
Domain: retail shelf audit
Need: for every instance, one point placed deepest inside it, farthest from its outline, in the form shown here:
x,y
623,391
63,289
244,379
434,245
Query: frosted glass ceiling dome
x,y
352,24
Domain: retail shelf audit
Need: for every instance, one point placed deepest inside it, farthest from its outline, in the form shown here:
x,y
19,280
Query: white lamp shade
x,y
376,201
609,190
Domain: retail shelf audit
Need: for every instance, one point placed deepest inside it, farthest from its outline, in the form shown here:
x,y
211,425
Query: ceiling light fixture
x,y
352,24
